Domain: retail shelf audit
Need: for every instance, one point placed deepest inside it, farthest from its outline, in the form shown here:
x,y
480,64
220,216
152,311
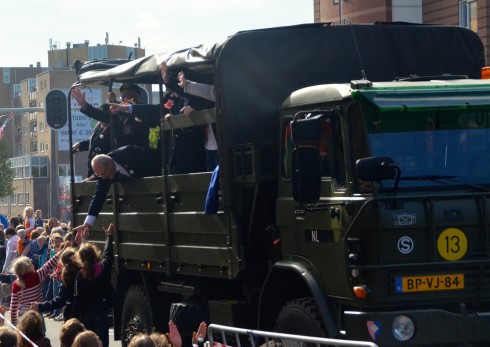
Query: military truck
x,y
356,210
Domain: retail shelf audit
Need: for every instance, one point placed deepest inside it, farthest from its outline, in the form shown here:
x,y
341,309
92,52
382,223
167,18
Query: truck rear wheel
x,y
136,314
187,316
300,317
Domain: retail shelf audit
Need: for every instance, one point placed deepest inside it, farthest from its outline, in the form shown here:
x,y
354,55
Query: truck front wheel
x,y
300,317
136,314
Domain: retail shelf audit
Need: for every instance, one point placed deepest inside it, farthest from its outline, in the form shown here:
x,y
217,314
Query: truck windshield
x,y
433,148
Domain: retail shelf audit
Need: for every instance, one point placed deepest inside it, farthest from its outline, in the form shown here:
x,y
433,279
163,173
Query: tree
x,y
6,172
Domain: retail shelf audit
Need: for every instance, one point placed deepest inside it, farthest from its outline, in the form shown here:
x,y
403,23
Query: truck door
x,y
312,190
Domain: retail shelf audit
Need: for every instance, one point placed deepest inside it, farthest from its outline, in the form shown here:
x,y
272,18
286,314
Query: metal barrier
x,y
267,338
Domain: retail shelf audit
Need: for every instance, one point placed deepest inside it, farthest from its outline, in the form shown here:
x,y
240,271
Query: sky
x,y
28,26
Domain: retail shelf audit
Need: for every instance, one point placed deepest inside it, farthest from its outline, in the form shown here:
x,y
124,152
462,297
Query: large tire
x,y
300,317
136,314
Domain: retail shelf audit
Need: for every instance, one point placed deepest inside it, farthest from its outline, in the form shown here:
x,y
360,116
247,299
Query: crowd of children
x,y
49,271
55,274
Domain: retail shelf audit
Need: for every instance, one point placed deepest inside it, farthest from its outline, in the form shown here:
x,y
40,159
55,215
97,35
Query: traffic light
x,y
56,109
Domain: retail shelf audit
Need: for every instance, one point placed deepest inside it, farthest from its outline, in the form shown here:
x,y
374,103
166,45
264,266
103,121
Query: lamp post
x,y
341,12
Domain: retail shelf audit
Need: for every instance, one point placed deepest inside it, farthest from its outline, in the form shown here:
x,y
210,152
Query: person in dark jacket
x,y
123,163
92,291
99,143
71,267
126,129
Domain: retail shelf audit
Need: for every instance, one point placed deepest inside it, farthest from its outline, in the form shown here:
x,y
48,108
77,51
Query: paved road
x,y
53,331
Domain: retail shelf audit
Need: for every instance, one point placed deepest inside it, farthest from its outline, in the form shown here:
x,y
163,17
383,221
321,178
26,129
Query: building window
x,y
12,199
27,201
19,172
41,146
26,130
20,198
30,166
64,170
468,14
6,75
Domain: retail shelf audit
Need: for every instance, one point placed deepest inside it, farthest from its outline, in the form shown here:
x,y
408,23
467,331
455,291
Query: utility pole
x,y
341,12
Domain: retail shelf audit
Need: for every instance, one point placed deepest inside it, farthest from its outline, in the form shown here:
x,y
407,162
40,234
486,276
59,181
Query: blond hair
x,y
29,209
41,238
21,266
21,233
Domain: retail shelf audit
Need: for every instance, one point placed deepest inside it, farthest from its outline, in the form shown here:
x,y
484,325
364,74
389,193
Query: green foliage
x,y
154,135
6,172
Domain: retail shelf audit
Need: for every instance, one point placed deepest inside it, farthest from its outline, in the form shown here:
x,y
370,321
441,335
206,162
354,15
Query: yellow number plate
x,y
408,284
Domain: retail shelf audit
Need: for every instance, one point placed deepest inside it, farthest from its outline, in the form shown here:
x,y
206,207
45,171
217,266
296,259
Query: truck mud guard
x,y
305,274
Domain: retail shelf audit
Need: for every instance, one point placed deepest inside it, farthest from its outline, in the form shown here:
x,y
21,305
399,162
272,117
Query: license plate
x,y
408,284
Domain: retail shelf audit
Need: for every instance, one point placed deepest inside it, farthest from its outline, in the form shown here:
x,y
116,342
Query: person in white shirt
x,y
12,240
206,91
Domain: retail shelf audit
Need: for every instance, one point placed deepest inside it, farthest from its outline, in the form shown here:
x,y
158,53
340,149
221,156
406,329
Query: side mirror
x,y
307,177
376,169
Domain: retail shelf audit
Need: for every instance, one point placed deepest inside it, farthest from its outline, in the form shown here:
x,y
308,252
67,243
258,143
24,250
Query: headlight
x,y
403,328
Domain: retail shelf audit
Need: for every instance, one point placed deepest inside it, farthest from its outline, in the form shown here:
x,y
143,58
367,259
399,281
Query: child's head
x,y
8,337
14,221
21,233
41,241
35,234
160,340
52,222
57,230
57,239
69,257
28,212
71,267
32,325
87,339
89,255
39,214
69,331
141,340
69,237
22,265
9,232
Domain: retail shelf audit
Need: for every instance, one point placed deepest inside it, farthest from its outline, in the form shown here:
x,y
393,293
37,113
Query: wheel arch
x,y
288,280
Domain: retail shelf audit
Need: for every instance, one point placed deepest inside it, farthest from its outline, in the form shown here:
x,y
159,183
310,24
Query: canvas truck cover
x,y
255,71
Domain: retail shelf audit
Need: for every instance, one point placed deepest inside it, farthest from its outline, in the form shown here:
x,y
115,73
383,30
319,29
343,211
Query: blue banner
x,y
4,221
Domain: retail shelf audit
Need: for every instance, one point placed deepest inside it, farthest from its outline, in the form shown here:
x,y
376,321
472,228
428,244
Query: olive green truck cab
x,y
356,210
